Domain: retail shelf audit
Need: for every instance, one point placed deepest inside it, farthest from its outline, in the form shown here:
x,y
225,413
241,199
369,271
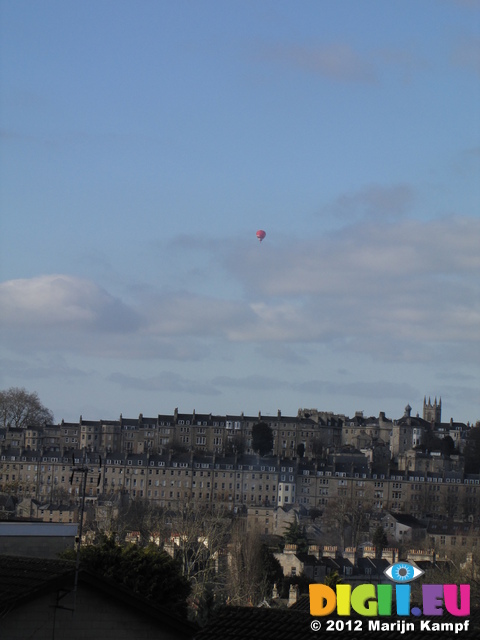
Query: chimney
x,y
314,550
292,594
290,549
390,554
350,553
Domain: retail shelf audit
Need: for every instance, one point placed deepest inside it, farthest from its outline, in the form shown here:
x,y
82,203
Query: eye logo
x,y
402,572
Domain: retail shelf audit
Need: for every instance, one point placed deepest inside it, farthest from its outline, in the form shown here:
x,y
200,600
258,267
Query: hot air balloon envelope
x,y
261,234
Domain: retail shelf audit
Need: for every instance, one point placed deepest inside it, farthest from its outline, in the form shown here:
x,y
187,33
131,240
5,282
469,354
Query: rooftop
x,y
237,623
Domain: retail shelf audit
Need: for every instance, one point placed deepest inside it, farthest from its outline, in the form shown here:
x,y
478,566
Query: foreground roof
x,y
25,579
239,623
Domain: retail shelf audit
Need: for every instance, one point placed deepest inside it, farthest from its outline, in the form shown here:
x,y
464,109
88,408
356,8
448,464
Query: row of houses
x,y
353,565
237,482
365,563
194,431
310,432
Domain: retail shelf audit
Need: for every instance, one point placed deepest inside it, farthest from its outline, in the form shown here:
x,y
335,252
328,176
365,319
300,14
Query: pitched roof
x,y
372,565
450,528
238,623
23,579
406,519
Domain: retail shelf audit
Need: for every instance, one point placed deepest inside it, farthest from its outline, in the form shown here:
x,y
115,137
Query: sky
x,y
144,143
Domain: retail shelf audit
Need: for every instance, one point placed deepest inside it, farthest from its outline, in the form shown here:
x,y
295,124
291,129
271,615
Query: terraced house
x,y
317,458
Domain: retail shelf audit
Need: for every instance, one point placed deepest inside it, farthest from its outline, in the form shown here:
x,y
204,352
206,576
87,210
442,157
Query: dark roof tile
x,y
22,577
237,623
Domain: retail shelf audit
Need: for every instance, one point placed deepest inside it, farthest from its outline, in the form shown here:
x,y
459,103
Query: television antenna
x,y
83,469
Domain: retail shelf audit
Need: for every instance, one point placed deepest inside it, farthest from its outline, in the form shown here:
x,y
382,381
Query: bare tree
x,y
235,444
348,516
138,514
19,408
246,583
199,533
197,537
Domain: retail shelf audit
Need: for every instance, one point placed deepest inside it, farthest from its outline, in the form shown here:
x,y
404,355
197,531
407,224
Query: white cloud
x,y
63,301
405,291
402,287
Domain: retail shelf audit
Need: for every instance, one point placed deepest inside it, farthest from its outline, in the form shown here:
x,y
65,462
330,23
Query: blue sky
x,y
143,145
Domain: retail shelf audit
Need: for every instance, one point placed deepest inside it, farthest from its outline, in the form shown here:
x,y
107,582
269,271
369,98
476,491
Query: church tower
x,y
432,412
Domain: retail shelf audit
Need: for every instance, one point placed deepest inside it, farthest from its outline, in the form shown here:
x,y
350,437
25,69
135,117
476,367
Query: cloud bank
x,y
403,291
63,301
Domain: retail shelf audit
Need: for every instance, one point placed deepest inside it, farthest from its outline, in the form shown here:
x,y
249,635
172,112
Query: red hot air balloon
x,y
261,234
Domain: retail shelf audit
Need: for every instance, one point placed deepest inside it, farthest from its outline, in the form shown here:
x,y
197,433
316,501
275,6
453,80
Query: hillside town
x,y
252,508
412,466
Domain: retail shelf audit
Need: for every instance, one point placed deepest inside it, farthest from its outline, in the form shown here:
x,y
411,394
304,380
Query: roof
x,y
405,519
331,563
449,528
345,565
50,529
372,565
238,623
308,559
23,579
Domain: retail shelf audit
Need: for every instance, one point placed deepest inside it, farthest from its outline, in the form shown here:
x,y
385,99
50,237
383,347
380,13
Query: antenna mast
x,y
84,470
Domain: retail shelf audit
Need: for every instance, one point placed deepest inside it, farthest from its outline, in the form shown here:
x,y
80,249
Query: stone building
x,y
432,412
